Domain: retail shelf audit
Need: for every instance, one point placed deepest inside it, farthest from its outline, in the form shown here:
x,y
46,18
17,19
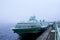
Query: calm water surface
x,y
6,33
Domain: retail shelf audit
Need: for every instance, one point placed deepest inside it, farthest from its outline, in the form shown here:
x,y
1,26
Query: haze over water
x,y
13,11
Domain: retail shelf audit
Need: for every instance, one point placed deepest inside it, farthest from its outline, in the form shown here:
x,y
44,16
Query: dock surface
x,y
45,35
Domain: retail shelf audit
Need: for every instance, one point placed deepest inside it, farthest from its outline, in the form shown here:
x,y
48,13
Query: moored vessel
x,y
31,28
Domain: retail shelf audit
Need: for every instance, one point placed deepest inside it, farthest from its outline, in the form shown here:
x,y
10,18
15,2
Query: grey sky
x,y
18,10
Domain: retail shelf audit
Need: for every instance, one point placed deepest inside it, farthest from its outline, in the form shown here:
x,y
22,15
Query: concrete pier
x,y
46,35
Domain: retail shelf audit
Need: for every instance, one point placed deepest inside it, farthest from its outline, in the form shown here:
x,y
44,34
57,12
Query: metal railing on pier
x,y
57,32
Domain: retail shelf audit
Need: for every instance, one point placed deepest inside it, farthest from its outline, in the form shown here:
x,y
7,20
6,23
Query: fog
x,y
12,11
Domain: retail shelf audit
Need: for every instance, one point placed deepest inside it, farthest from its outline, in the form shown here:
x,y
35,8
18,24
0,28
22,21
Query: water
x,y
6,33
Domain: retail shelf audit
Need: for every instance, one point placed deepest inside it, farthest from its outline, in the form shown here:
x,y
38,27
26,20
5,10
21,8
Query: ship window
x,y
32,26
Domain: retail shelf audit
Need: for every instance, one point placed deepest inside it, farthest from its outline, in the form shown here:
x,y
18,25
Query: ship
x,y
31,29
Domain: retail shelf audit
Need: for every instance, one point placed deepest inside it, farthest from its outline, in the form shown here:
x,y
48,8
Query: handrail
x,y
57,29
